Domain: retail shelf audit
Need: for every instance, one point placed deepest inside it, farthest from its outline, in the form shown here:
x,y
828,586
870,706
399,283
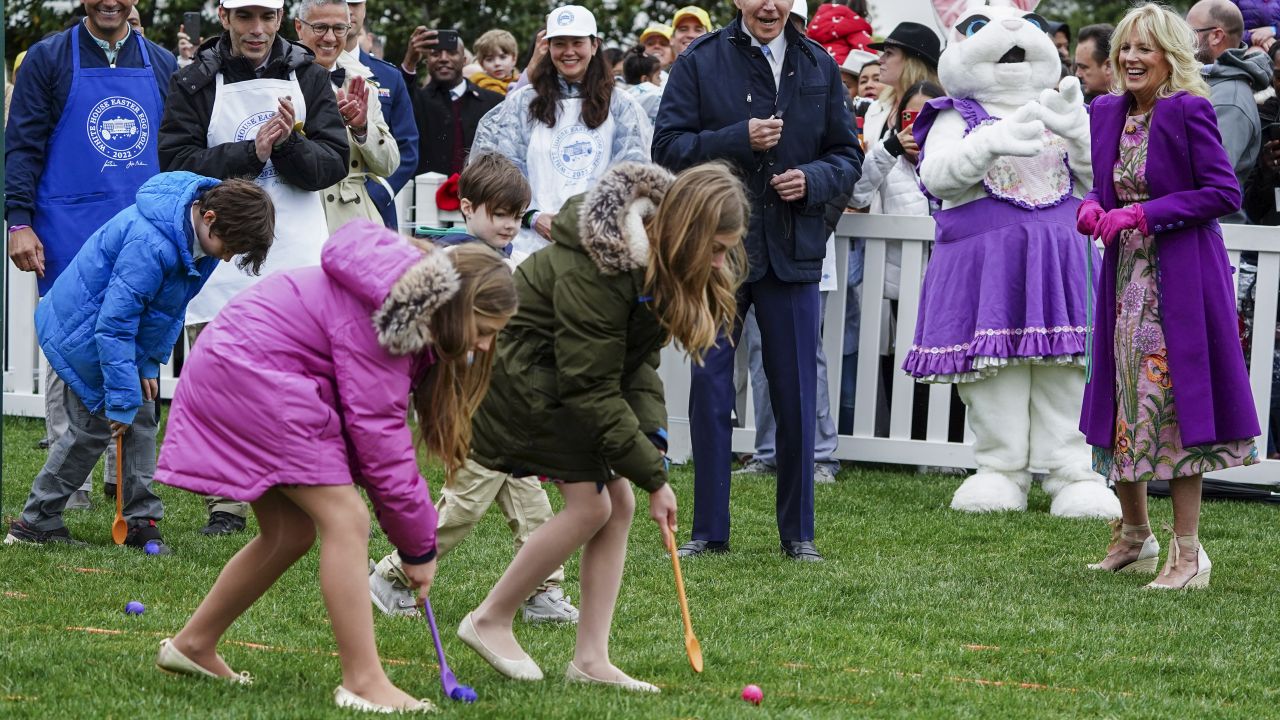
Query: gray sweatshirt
x,y
1233,80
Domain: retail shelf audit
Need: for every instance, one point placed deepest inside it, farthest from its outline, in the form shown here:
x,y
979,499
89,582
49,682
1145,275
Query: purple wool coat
x,y
290,386
1192,184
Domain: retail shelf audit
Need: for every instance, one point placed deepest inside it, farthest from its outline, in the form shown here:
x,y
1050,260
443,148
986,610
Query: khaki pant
x,y
213,502
461,506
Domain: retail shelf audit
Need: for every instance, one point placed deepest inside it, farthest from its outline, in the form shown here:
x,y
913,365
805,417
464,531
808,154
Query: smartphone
x,y
447,40
191,25
909,118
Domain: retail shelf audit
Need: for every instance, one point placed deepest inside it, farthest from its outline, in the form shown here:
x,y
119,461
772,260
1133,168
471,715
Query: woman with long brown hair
x,y
299,391
641,260
567,126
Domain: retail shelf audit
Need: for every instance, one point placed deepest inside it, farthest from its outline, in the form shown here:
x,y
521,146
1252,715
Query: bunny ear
x,y
950,10
1025,5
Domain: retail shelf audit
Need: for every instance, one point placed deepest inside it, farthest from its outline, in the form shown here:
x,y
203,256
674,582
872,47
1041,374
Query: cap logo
x,y
564,18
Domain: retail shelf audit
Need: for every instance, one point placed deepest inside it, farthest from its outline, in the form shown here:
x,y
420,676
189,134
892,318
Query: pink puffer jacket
x,y
304,379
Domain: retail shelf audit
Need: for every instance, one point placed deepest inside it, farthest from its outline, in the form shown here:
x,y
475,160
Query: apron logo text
x,y
118,128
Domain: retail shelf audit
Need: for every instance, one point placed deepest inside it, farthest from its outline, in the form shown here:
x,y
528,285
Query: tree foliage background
x,y
27,21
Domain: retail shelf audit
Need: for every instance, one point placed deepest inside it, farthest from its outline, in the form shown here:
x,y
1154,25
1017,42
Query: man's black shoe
x,y
801,551
143,533
222,523
702,547
20,532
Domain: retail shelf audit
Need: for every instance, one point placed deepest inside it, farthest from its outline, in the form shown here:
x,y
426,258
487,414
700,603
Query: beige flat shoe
x,y
170,659
573,674
348,700
522,669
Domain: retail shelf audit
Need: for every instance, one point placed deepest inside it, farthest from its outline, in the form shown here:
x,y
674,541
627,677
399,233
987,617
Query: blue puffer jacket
x,y
116,312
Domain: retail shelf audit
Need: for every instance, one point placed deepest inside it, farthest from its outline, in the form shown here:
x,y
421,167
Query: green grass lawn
x,y
918,612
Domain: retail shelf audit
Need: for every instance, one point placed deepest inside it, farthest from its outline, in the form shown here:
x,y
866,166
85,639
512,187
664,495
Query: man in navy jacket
x,y
76,153
397,109
759,95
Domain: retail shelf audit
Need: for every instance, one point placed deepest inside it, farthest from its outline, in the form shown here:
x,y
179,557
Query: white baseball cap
x,y
269,4
856,60
571,21
801,8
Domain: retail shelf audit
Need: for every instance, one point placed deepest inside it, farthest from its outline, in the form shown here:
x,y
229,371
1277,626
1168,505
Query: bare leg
x,y
285,534
602,561
585,512
342,520
1186,528
1135,526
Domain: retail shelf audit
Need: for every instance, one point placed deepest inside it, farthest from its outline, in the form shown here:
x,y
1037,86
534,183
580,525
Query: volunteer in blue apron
x,y
80,140
253,104
567,126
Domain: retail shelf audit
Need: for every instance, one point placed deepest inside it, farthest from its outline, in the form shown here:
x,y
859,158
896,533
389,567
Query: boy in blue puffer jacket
x,y
110,321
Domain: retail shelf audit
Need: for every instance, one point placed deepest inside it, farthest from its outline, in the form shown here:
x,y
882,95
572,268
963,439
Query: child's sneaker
x,y
20,532
550,606
143,533
390,596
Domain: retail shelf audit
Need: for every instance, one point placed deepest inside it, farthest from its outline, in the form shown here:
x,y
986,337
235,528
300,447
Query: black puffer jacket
x,y
312,160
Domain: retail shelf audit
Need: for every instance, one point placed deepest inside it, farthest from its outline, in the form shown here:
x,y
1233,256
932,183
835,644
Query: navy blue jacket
x,y
718,84
39,94
397,110
116,312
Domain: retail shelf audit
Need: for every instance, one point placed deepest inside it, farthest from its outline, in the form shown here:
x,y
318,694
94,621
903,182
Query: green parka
x,y
575,393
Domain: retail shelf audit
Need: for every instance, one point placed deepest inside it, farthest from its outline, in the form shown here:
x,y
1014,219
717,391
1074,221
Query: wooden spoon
x,y
691,646
119,528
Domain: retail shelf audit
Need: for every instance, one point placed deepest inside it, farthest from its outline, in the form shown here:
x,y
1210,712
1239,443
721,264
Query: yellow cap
x,y
655,29
696,12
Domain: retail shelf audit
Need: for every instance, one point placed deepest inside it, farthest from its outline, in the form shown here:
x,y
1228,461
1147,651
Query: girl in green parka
x,y
642,259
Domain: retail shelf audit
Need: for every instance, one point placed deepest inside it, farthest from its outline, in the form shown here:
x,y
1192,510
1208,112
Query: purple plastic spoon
x,y
449,683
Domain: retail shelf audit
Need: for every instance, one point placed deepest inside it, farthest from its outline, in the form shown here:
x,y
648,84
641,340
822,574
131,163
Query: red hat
x,y
447,194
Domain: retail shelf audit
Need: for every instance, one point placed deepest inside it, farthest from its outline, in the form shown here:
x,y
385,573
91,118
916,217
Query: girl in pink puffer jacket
x,y
297,392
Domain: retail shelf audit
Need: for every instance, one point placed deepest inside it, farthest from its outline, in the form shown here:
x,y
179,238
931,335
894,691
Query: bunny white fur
x,y
1024,417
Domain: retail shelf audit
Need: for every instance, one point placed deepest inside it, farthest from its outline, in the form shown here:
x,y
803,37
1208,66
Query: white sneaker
x,y
550,606
756,467
824,475
391,597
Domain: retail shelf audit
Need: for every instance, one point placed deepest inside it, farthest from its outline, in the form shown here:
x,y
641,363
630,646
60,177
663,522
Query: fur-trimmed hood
x,y
610,227
406,283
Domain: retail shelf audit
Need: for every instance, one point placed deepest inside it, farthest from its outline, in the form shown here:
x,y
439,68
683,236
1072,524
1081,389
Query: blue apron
x,y
101,152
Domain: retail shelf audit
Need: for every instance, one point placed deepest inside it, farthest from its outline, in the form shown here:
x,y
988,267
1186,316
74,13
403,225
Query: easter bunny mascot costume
x,y
1003,310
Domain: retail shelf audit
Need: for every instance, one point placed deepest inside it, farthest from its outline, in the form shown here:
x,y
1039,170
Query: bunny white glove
x,y
1063,112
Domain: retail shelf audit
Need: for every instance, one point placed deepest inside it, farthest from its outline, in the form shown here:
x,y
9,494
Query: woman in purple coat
x,y
1168,396
298,392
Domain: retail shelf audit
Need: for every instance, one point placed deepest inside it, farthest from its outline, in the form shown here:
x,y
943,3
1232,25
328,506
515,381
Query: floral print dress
x,y
1147,444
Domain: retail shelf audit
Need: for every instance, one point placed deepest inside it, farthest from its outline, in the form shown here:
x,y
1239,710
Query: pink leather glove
x,y
1087,217
1116,221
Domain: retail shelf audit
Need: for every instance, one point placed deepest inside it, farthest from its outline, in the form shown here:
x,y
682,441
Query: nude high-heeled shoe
x,y
1148,560
1204,567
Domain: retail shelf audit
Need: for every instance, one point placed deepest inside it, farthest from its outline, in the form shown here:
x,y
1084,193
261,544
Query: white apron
x,y
563,161
239,110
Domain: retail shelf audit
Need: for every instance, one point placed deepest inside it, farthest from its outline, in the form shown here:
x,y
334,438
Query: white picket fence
x,y
23,383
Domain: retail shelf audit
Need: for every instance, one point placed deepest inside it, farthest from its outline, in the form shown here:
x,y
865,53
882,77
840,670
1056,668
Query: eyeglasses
x,y
1204,30
321,29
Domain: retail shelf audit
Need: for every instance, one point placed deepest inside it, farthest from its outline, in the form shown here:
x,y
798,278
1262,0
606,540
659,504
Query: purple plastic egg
x,y
133,607
151,548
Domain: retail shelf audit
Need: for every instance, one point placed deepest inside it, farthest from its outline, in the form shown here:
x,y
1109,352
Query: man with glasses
x,y
324,26
1233,78
253,104
397,109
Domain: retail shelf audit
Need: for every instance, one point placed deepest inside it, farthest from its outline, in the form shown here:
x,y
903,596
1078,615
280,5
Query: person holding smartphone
x,y
449,107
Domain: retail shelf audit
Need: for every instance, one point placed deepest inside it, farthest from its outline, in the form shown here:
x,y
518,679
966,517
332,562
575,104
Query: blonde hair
x,y
1166,29
914,70
495,42
452,390
694,301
